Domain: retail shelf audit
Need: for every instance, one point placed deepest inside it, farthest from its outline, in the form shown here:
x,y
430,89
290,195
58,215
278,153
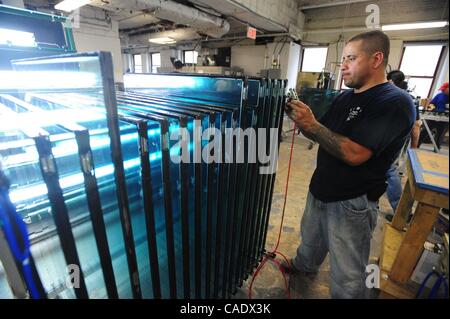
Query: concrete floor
x,y
270,282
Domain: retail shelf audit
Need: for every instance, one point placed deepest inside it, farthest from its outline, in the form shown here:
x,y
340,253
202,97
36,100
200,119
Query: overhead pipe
x,y
208,24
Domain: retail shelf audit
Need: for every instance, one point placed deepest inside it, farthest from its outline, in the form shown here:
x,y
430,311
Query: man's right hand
x,y
302,115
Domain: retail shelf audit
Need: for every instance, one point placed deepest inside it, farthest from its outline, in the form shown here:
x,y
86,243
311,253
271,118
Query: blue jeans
x,y
344,229
394,188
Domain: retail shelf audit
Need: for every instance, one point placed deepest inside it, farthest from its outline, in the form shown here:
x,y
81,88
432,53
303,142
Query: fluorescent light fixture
x,y
411,26
17,38
163,40
70,5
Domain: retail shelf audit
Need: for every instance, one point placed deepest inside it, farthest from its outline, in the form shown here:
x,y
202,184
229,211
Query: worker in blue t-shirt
x,y
441,99
438,104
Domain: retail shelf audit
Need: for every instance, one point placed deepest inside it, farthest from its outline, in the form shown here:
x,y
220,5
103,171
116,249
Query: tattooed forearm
x,y
328,140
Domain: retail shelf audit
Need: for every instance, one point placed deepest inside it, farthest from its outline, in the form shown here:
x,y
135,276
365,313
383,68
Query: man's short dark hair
x,y
374,41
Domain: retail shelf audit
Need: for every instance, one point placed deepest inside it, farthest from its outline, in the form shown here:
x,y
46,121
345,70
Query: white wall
x,y
254,58
98,37
14,3
249,58
395,54
165,57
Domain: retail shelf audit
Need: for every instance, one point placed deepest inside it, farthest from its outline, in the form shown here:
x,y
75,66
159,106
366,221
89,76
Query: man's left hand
x,y
302,115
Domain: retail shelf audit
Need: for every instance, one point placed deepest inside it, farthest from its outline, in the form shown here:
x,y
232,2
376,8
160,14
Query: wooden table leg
x,y
412,244
404,208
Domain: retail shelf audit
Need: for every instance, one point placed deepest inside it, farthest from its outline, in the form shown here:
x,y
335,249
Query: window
x,y
17,38
419,63
156,62
314,59
190,57
137,60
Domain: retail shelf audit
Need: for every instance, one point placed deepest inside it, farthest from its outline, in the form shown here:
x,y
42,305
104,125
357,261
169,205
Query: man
x,y
394,187
397,78
359,138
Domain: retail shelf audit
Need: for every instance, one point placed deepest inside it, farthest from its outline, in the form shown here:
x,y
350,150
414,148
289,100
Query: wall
x,y
95,34
254,58
249,58
14,3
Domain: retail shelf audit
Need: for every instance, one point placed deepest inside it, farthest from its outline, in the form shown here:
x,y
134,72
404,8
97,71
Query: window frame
x,y
134,63
151,62
313,47
184,57
436,69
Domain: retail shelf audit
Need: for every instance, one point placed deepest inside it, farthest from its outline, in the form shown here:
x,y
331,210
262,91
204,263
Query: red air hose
x,y
275,251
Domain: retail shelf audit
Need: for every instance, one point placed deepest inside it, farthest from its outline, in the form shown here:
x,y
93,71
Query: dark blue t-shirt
x,y
379,119
439,101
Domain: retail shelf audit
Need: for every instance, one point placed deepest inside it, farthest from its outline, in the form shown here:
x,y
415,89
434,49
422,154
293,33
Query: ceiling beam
x,y
331,4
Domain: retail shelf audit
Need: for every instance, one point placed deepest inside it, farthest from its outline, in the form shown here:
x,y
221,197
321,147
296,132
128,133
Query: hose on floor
x,y
272,254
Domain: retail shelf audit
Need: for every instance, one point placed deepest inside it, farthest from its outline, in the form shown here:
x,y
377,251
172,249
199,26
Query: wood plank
x,y
431,198
392,240
424,195
430,170
392,289
411,177
412,244
404,208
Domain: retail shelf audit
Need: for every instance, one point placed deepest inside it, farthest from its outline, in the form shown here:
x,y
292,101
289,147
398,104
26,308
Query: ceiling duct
x,y
204,22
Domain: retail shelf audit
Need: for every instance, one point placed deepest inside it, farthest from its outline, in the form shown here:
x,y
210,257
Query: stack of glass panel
x,y
122,185
68,179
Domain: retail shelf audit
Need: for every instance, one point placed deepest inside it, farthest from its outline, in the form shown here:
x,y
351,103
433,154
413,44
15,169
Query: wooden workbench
x,y
402,244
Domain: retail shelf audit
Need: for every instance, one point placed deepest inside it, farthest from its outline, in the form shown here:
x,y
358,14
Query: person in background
x,y
441,99
397,78
438,104
394,188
